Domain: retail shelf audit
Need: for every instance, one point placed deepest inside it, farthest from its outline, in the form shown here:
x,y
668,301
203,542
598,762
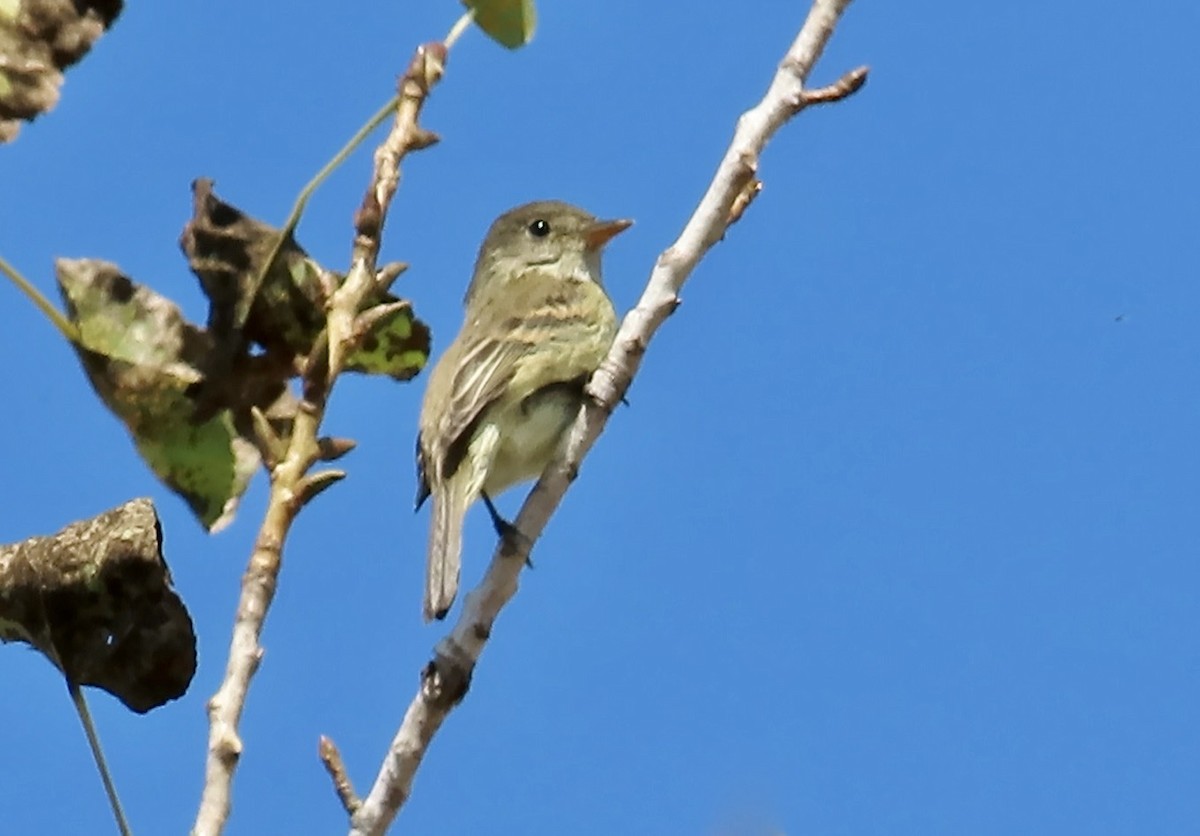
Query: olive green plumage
x,y
538,322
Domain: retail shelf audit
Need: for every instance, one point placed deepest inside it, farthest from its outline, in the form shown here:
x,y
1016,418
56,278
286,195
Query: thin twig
x,y
845,86
291,485
445,679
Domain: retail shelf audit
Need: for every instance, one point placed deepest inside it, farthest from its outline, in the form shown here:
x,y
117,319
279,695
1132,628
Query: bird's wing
x,y
483,364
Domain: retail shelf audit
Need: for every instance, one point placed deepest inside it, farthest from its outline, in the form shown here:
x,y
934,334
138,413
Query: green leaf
x,y
190,396
146,363
509,22
396,345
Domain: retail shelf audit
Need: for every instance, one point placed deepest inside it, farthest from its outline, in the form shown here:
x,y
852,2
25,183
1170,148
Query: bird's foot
x,y
514,540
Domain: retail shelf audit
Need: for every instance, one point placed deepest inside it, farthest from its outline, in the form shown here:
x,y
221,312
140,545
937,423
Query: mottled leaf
x,y
96,600
226,249
148,365
509,22
396,345
38,40
191,396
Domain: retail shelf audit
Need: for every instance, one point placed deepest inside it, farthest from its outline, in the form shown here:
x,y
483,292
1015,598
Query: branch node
x,y
419,138
424,71
368,219
742,202
670,259
748,160
447,677
336,767
571,469
635,346
228,747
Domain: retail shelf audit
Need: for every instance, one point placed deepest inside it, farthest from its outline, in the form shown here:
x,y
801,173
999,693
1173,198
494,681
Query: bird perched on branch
x,y
538,322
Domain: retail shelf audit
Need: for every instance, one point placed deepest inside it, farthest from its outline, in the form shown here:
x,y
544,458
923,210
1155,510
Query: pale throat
x,y
581,265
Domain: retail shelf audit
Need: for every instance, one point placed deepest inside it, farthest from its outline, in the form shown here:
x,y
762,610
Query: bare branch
x,y
733,187
291,484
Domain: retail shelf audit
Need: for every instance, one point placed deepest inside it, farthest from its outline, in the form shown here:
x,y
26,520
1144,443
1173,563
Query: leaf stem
x,y
459,27
64,325
302,199
89,729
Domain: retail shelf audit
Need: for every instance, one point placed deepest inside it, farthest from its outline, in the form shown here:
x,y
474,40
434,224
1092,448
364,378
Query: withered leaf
x,y
96,600
227,249
38,40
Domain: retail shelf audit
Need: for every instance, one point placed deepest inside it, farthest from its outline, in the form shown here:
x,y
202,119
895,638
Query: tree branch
x,y
445,679
291,485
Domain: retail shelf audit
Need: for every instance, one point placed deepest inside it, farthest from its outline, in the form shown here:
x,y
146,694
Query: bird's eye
x,y
539,228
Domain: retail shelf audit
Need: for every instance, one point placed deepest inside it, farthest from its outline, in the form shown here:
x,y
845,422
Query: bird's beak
x,y
601,232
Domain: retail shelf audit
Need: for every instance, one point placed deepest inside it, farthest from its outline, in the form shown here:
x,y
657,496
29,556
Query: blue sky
x,y
900,532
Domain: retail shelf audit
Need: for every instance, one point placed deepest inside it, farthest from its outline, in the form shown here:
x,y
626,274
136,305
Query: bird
x,y
537,323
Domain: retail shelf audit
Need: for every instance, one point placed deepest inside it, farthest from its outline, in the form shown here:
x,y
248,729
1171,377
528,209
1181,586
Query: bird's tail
x,y
445,551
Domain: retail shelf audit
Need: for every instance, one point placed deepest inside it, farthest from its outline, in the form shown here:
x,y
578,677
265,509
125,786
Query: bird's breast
x,y
530,433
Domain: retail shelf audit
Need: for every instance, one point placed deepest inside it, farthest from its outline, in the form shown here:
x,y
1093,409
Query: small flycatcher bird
x,y
538,322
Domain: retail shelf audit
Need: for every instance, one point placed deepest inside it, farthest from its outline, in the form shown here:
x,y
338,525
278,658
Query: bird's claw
x,y
513,539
